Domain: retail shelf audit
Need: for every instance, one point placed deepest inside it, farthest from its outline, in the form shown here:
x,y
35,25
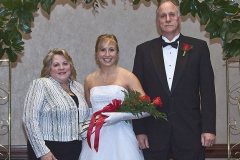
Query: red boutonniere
x,y
186,47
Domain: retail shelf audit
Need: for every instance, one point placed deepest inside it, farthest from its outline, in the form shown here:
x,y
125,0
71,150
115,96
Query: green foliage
x,y
136,104
135,2
16,17
221,19
46,5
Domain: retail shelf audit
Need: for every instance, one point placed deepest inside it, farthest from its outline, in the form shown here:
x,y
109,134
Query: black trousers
x,y
176,139
61,150
167,155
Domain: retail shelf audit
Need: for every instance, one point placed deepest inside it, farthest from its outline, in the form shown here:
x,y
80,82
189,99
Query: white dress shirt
x,y
170,58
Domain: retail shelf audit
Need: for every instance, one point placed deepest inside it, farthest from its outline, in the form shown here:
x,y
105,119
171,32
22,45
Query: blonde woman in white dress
x,y
117,140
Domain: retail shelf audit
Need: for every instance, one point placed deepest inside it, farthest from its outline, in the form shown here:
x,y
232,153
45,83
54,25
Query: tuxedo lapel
x,y
180,64
158,62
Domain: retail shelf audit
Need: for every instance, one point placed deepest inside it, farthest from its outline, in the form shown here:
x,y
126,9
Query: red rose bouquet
x,y
133,103
136,104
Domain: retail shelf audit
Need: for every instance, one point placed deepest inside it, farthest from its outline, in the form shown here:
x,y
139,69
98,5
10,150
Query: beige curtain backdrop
x,y
76,30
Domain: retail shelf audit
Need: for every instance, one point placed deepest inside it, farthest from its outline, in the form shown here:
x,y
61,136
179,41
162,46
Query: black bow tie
x,y
173,44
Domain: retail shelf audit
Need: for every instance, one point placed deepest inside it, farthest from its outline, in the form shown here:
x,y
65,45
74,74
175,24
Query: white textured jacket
x,y
51,114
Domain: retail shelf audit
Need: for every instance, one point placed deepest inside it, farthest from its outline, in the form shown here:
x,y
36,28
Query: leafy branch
x,y
221,19
17,17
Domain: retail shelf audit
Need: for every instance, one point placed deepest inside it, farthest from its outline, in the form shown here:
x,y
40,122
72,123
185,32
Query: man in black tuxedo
x,y
181,74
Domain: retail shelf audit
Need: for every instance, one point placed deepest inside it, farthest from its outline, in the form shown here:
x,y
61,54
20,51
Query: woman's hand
x,y
48,156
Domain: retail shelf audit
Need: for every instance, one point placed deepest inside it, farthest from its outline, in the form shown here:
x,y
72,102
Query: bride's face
x,y
107,54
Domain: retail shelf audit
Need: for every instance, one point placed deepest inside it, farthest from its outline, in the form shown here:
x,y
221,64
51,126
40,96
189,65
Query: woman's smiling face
x,y
107,54
60,69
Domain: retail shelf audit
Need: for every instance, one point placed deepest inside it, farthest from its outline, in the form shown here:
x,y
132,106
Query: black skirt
x,y
61,150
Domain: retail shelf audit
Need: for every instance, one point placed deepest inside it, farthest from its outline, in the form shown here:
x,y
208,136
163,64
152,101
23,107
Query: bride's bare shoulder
x,y
126,72
90,78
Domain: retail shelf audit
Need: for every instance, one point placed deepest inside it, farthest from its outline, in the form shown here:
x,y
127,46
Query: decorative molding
x,y
220,151
5,108
19,152
233,106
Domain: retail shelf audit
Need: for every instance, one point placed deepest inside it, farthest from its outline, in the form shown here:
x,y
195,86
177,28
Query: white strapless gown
x,y
117,141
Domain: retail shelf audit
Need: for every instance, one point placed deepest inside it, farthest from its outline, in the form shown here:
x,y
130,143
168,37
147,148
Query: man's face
x,y
168,19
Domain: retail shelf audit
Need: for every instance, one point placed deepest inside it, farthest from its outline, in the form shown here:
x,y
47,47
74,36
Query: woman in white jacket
x,y
54,106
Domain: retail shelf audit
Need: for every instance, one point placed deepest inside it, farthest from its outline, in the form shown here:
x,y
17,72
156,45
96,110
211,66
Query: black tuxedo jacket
x,y
190,104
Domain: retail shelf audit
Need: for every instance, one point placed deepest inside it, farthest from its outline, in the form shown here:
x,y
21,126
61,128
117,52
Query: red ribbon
x,y
111,107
